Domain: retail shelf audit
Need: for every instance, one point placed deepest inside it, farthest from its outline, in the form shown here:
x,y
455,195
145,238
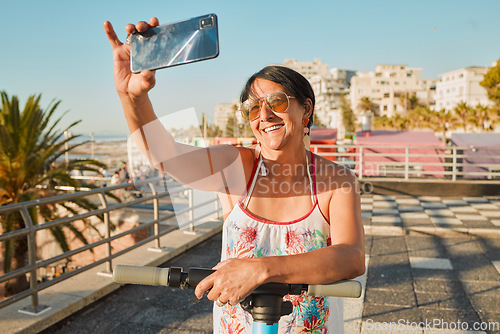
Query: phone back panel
x,y
175,44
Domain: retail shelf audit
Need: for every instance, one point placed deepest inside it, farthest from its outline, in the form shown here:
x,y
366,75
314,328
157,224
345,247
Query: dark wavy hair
x,y
294,83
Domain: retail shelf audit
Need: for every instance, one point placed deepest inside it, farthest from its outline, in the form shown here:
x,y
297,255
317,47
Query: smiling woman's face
x,y
277,130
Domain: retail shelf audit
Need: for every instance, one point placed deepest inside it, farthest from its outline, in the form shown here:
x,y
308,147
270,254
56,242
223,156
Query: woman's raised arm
x,y
202,168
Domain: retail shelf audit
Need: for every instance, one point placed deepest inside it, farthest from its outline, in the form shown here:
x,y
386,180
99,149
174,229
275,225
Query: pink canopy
x,y
384,153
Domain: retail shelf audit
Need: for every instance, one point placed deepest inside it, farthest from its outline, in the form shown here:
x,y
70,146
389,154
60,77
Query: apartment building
x,y
328,90
461,85
387,84
224,111
328,85
308,69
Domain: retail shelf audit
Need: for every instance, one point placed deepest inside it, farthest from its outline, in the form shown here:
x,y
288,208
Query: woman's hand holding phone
x,y
127,83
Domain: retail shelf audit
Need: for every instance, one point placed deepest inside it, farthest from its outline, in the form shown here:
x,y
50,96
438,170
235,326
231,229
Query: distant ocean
x,y
100,138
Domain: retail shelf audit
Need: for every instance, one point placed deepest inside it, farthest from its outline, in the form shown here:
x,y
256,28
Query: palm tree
x,y
382,122
443,121
30,147
348,117
409,103
420,117
400,122
464,113
484,118
367,105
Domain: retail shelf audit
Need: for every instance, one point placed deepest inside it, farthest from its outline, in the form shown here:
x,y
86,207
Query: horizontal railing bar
x,y
448,148
68,254
67,220
14,234
68,197
47,262
111,207
15,273
17,297
46,284
203,216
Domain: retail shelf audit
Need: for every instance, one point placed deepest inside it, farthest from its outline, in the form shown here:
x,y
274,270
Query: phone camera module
x,y
207,23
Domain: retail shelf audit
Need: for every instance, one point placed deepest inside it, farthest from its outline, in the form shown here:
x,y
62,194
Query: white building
x,y
328,85
224,111
328,91
461,85
387,84
308,69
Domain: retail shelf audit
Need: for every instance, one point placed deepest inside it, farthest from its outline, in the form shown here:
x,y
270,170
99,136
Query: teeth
x,y
272,128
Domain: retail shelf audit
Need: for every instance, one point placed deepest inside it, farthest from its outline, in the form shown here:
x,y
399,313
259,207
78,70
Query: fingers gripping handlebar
x,y
176,278
265,303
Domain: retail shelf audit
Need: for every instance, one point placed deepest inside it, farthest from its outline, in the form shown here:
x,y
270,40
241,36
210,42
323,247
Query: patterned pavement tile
x,y
430,263
446,221
475,199
471,217
410,208
462,209
407,201
440,213
429,199
491,214
433,205
485,206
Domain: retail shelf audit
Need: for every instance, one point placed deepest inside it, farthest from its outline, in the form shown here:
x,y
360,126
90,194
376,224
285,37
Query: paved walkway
x,y
444,267
431,261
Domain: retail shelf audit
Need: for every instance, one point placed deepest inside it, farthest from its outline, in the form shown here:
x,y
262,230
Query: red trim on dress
x,y
249,183
315,191
250,215
315,204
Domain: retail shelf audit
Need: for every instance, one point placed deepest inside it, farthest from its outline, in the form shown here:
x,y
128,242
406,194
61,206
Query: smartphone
x,y
175,43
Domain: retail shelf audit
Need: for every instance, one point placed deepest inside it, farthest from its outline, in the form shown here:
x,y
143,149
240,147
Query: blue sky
x,y
58,48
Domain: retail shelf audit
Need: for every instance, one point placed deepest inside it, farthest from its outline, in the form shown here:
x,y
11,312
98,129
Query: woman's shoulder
x,y
248,153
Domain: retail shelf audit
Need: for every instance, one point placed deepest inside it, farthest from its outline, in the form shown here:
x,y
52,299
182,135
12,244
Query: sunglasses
x,y
277,102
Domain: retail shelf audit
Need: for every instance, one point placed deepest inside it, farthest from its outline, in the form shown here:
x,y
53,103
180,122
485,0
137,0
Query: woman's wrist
x,y
267,269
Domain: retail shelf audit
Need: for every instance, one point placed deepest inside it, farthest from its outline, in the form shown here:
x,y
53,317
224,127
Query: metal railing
x,y
105,208
405,162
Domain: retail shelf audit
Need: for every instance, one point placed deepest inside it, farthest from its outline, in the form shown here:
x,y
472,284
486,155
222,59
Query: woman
x,y
278,198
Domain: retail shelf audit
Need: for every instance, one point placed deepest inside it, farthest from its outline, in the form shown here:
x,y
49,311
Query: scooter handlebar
x,y
141,275
347,289
172,277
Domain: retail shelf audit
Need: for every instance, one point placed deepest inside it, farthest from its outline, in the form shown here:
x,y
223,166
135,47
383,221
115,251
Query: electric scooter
x,y
265,303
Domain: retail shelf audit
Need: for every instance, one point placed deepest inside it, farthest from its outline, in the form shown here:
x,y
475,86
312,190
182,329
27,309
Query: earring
x,y
305,121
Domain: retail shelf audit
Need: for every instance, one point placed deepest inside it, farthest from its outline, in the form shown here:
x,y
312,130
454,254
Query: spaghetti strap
x,y
312,184
252,185
314,187
260,166
247,236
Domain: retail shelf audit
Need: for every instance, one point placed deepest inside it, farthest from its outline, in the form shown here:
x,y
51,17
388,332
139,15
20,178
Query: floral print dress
x,y
246,236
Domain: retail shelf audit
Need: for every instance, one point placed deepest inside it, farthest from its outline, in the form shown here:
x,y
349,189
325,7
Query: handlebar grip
x,y
141,275
348,289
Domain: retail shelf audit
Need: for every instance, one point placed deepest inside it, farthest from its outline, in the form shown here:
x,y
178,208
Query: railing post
x,y
454,164
35,308
190,212
217,207
407,162
107,234
156,214
360,162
